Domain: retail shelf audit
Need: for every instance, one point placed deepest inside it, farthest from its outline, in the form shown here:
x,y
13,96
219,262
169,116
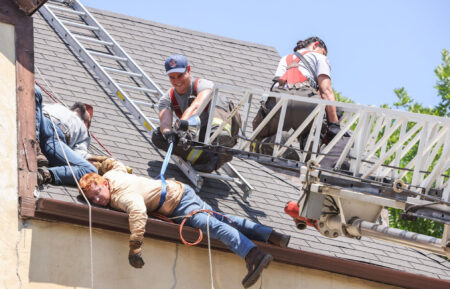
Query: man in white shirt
x,y
306,73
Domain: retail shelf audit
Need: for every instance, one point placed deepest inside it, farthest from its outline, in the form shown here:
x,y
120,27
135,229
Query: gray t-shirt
x,y
186,99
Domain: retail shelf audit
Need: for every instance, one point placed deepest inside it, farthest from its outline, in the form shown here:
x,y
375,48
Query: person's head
x,y
179,72
312,43
96,188
84,111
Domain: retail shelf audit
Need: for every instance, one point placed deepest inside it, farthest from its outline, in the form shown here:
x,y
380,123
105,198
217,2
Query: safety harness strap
x,y
162,199
173,99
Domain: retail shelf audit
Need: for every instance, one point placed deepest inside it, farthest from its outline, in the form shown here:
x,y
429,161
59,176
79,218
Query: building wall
x,y
39,254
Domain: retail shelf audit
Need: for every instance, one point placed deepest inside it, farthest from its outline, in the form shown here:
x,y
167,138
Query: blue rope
x,y
162,199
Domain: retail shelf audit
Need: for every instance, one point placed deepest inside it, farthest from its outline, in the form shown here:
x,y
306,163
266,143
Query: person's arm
x,y
81,149
135,207
281,70
326,92
195,105
165,120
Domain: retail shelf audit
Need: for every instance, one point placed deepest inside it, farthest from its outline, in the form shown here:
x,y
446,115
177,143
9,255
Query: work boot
x,y
42,161
44,176
278,239
256,260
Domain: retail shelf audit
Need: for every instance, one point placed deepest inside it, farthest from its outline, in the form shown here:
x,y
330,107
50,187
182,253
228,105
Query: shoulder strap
x,y
195,86
290,59
308,66
176,106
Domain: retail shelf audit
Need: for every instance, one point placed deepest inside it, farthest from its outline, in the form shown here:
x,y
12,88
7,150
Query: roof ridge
x,y
184,30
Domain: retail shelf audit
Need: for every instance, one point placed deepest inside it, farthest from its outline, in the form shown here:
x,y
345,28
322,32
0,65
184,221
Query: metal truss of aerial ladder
x,y
396,159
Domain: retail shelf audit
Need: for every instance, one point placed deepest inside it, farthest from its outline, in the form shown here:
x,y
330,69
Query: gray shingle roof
x,y
224,61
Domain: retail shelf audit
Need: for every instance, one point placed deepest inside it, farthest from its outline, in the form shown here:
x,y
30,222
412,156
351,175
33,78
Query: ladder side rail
x,y
103,34
108,81
347,106
280,126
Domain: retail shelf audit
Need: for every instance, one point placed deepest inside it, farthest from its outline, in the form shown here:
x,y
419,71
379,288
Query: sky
x,y
373,46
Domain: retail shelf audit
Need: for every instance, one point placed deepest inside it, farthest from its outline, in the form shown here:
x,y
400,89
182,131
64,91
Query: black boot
x,y
256,261
278,239
44,176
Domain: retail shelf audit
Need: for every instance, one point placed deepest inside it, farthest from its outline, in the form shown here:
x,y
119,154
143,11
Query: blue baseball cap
x,y
176,63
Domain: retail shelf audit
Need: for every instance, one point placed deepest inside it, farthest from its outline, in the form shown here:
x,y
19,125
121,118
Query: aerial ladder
x,y
121,75
386,158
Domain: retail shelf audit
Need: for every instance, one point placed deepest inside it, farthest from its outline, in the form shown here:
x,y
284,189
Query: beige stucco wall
x,y
49,255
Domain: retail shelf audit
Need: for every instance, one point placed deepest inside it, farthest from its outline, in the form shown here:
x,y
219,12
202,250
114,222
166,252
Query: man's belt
x,y
61,126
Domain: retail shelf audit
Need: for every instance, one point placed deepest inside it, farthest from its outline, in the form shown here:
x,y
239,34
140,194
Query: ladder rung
x,y
53,7
88,27
110,56
152,105
137,88
93,40
124,72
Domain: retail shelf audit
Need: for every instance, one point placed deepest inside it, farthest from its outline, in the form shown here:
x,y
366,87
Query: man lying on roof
x,y
138,195
184,99
72,128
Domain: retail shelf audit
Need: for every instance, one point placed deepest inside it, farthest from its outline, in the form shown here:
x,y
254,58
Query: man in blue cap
x,y
184,99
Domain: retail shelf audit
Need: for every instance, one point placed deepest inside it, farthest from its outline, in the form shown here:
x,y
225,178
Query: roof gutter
x,y
50,209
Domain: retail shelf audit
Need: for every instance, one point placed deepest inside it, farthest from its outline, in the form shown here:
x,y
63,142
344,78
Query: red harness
x,y
293,75
173,99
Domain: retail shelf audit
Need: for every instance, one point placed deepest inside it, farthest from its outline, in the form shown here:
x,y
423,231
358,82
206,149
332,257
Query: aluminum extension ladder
x,y
92,43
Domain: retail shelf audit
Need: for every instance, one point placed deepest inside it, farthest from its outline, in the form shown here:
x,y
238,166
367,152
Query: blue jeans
x,y
46,136
235,235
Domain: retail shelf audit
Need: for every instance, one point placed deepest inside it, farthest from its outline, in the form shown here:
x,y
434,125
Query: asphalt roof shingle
x,y
224,61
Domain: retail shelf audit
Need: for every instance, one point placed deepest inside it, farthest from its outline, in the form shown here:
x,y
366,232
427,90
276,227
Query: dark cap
x,y
176,63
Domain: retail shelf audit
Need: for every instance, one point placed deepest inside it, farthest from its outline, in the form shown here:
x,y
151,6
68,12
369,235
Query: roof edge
x,y
185,30
49,209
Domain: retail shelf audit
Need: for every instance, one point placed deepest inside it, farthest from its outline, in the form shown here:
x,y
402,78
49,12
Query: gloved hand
x,y
171,136
182,125
135,254
100,159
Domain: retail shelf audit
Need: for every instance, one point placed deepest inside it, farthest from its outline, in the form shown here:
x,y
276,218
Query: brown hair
x,y
87,180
